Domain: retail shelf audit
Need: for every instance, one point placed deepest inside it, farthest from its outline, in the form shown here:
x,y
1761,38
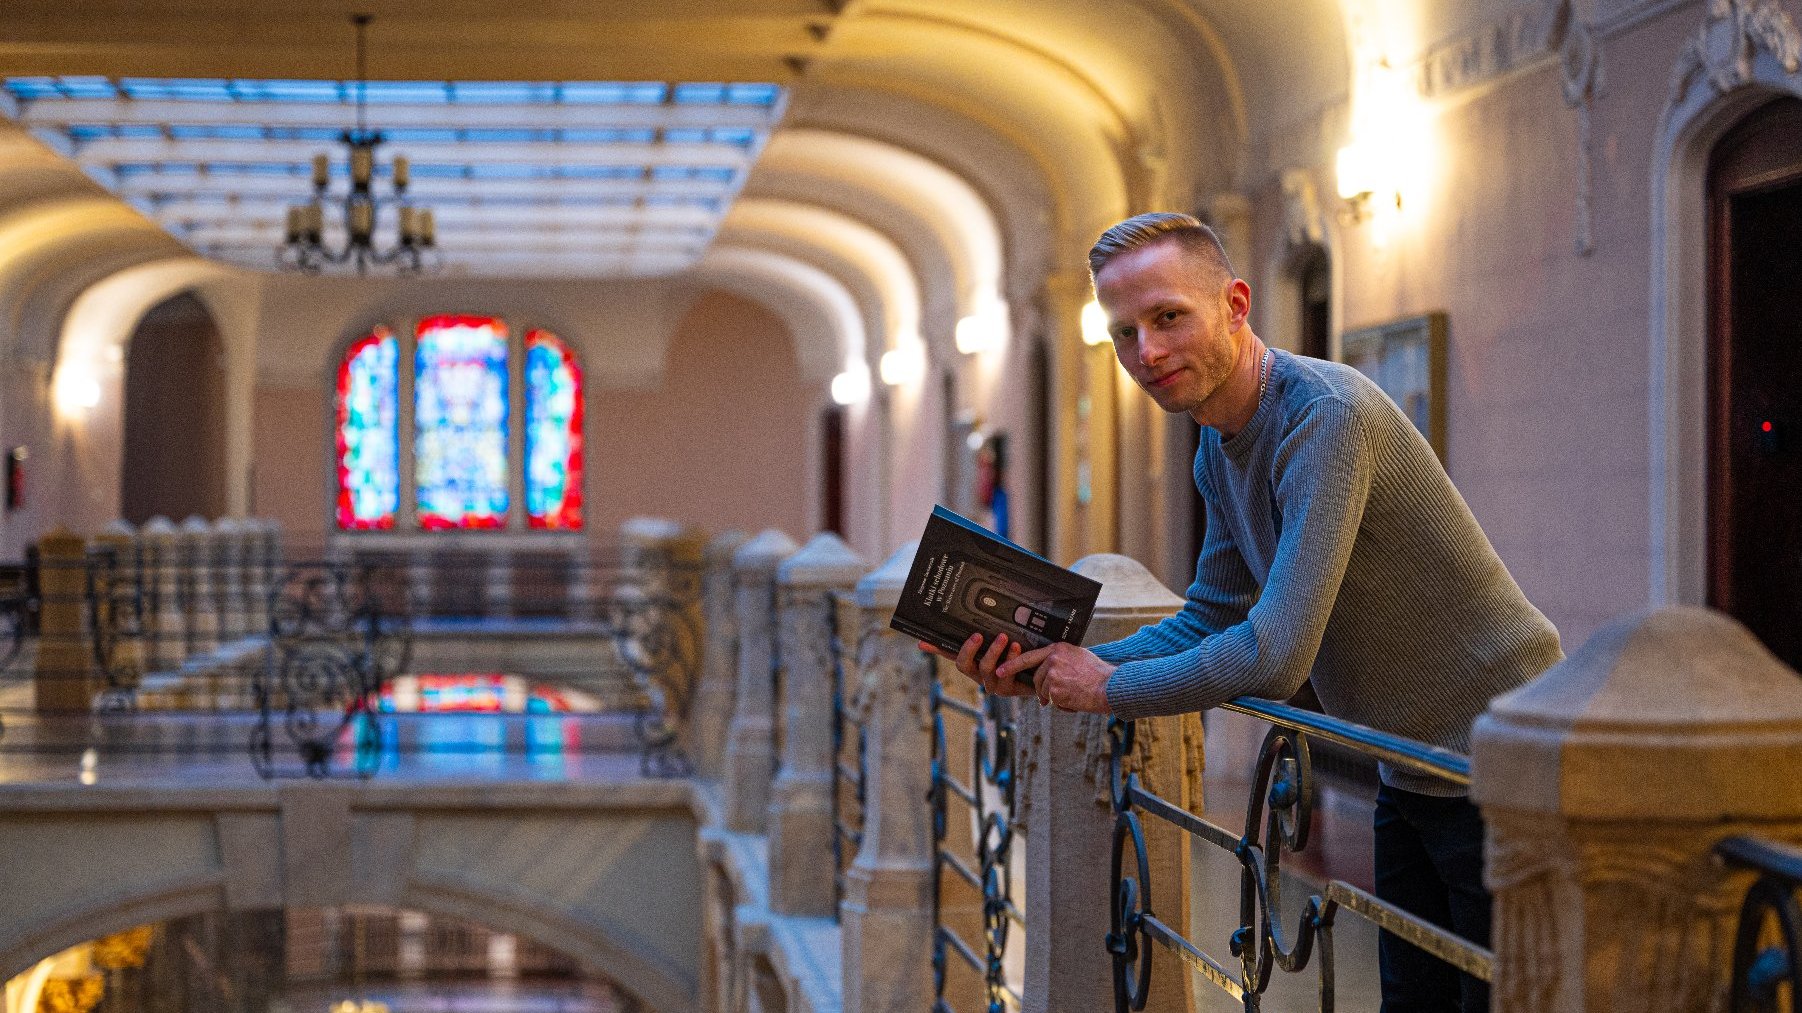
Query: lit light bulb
x,y
852,386
903,365
1094,324
76,390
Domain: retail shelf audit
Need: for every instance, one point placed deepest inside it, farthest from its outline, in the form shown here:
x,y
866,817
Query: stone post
x,y
719,655
1070,821
165,628
802,874
1606,784
228,560
202,605
750,739
257,575
63,671
886,916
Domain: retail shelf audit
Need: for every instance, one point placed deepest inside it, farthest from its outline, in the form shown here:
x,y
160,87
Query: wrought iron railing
x,y
991,803
849,776
1277,820
1767,946
292,658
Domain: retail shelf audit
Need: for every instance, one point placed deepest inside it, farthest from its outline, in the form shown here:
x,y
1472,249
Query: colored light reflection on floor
x,y
473,693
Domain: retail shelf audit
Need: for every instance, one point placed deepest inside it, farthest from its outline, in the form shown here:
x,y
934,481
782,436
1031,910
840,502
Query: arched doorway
x,y
175,428
1314,289
1754,362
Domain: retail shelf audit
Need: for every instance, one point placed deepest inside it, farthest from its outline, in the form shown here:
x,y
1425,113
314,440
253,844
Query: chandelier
x,y
305,247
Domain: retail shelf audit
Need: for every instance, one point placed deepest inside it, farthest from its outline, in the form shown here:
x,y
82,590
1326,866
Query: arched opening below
x,y
299,959
175,425
1754,455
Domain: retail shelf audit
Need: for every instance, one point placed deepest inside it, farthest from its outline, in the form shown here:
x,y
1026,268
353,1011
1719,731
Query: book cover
x,y
966,579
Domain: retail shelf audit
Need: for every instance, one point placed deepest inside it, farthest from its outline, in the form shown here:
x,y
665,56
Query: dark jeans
x,y
1429,862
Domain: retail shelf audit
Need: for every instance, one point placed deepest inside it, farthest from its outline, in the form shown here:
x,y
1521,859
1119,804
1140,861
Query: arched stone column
x,y
751,738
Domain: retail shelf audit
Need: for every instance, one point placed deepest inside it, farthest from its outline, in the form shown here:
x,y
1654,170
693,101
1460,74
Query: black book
x,y
967,579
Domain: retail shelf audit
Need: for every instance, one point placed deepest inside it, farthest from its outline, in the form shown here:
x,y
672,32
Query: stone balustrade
x,y
170,616
1607,786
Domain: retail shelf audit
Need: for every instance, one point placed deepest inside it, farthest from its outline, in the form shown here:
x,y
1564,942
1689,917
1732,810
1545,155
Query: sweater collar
x,y
1241,442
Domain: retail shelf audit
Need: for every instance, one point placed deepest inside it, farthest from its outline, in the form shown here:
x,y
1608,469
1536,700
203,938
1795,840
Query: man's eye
x,y
1168,315
1123,334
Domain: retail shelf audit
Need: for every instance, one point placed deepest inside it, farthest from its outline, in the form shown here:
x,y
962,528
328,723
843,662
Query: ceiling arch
x,y
866,260
946,228
814,304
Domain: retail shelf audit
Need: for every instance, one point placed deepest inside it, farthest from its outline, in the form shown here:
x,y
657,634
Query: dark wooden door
x,y
832,470
1755,377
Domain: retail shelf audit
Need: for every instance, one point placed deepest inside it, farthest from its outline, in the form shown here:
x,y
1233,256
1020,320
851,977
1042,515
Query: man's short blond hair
x,y
1141,231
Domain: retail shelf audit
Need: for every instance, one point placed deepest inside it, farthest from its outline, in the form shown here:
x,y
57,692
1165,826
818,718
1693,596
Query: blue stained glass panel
x,y
460,422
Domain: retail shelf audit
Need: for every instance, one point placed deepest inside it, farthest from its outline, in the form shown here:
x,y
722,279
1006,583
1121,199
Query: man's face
x,y
1172,321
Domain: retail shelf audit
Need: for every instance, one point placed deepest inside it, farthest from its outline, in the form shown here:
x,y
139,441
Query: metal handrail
x,y
1760,972
1277,821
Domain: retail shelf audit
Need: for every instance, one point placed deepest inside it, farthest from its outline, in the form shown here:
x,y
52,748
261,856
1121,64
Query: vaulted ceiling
x,y
1060,115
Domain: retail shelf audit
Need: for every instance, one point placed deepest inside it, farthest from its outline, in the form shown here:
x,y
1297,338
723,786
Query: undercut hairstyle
x,y
1141,231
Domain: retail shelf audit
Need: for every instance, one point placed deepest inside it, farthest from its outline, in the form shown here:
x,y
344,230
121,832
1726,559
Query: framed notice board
x,y
1406,358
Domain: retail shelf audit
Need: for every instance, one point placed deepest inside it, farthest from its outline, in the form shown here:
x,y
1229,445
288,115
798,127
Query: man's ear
x,y
1238,303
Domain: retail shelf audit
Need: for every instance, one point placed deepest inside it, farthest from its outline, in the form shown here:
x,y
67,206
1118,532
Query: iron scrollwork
x,y
115,619
336,635
993,801
654,632
1277,820
1761,972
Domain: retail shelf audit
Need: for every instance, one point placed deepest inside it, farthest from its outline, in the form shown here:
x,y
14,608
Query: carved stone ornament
x,y
894,662
1580,66
1722,51
1524,35
1302,222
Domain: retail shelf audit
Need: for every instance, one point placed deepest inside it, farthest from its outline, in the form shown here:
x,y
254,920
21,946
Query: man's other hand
x,y
980,665
1069,677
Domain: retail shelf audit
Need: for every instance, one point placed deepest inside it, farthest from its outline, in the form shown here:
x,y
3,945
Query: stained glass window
x,y
368,433
553,433
460,422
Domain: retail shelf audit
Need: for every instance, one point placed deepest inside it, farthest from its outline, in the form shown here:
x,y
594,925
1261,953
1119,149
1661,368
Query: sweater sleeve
x,y
1222,594
1321,480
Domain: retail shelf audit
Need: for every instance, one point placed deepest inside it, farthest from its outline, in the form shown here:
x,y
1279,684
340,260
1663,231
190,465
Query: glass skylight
x,y
662,155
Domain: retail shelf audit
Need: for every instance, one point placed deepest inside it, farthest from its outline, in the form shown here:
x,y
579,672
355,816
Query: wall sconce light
x,y
1389,146
1094,324
852,386
982,330
903,365
76,390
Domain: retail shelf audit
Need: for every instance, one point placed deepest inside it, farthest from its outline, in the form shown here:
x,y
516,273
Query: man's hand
x,y
982,668
1069,677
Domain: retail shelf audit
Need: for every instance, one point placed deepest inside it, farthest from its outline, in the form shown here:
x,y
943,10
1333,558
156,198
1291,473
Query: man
x,y
1335,544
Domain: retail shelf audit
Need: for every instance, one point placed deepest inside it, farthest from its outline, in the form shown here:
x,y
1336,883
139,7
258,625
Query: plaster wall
x,y
1547,351
717,429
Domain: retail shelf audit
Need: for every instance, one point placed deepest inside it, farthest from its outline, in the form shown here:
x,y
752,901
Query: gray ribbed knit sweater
x,y
1336,542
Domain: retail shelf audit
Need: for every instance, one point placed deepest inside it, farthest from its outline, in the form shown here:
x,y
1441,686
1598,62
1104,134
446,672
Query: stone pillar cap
x,y
721,546
1676,714
121,528
825,561
765,552
196,525
1127,587
159,525
881,587
228,525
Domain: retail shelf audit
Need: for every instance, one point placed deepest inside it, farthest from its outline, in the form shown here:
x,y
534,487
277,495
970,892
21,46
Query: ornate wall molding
x,y
1580,71
1734,32
1523,36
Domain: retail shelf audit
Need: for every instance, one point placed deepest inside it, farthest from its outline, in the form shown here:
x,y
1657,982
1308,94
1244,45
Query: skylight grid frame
x,y
654,147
